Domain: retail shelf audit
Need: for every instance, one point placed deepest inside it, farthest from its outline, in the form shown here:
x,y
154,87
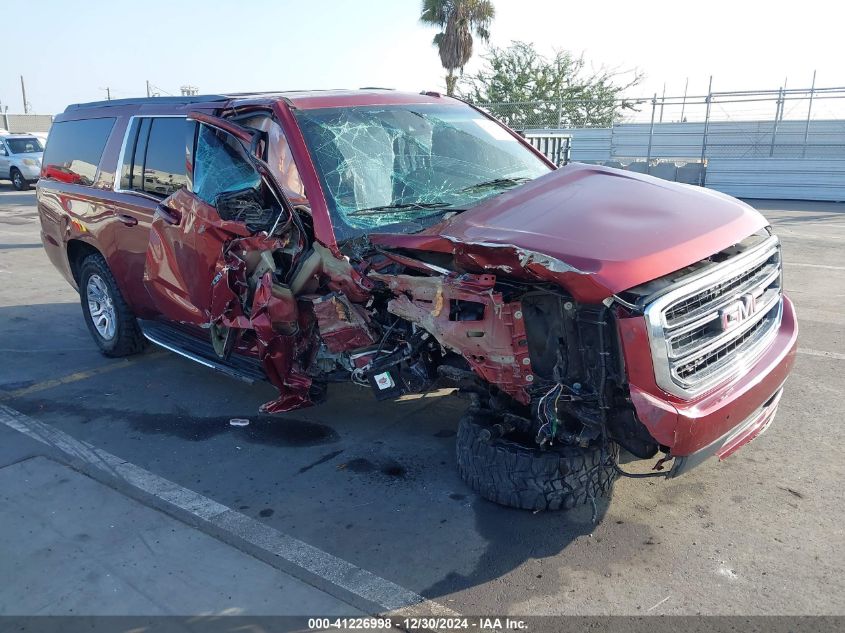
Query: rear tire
x,y
18,181
108,317
518,476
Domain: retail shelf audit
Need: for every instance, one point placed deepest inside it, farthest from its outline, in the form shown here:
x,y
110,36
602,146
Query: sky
x,y
70,52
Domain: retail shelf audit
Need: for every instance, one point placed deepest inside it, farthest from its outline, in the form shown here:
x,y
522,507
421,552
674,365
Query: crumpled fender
x,y
277,351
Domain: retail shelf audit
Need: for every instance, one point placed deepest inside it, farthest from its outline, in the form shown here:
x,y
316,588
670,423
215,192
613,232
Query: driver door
x,y
192,228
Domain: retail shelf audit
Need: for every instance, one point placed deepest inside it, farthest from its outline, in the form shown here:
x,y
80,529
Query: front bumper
x,y
731,441
720,421
29,172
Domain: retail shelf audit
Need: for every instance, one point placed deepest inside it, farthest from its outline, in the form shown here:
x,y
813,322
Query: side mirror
x,y
3,151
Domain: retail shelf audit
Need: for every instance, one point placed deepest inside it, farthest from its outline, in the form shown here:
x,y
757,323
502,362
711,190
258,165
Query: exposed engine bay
x,y
400,322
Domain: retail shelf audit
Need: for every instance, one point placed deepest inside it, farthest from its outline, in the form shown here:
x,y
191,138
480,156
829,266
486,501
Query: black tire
x,y
518,476
126,338
18,181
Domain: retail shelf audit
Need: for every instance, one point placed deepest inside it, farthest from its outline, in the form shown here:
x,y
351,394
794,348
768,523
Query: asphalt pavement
x,y
370,489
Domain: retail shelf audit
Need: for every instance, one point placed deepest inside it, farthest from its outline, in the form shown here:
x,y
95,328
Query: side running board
x,y
180,342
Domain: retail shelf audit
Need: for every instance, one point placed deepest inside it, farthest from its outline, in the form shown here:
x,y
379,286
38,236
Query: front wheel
x,y
520,476
107,315
18,181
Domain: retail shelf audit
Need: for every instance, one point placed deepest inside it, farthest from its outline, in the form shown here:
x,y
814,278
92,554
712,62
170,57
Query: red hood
x,y
619,228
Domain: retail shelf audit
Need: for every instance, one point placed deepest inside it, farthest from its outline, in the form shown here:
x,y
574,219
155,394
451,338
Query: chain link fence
x,y
782,143
788,123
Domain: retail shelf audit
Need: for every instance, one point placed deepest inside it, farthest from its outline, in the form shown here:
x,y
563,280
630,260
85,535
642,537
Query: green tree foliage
x,y
528,90
457,21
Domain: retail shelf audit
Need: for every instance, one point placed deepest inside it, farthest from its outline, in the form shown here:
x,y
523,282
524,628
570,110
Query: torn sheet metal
x,y
508,259
494,345
279,353
342,325
197,273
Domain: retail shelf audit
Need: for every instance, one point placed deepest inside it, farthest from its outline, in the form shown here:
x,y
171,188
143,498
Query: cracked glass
x,y
402,168
221,166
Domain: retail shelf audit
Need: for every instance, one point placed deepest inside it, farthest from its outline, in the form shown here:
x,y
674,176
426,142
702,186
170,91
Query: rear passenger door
x,y
151,168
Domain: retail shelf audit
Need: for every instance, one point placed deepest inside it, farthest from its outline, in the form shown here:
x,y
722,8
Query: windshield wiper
x,y
497,183
399,207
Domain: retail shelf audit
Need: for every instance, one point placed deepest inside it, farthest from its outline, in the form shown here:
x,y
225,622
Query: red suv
x,y
400,241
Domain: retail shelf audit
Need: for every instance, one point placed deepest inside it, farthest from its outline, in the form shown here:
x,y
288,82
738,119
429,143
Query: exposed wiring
x,y
386,334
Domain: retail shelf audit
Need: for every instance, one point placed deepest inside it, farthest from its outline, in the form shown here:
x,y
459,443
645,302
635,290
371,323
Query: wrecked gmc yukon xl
x,y
398,241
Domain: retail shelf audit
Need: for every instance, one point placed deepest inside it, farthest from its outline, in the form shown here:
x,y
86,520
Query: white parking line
x,y
821,353
789,264
389,597
784,232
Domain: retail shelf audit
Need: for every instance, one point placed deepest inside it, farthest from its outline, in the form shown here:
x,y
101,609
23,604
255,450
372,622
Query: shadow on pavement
x,y
516,536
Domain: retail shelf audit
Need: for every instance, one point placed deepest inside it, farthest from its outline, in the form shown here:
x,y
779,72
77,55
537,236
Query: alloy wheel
x,y
101,307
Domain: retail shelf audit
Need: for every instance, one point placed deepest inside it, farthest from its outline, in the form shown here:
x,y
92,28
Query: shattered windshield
x,y
401,168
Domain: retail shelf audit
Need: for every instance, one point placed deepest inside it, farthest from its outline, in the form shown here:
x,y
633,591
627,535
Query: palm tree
x,y
458,20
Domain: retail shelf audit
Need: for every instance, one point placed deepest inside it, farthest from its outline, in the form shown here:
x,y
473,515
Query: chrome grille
x,y
707,327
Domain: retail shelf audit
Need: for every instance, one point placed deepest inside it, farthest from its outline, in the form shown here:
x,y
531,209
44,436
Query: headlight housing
x,y
31,162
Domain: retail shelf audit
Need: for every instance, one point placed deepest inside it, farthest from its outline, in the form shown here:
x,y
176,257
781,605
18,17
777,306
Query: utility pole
x,y
108,93
148,88
23,94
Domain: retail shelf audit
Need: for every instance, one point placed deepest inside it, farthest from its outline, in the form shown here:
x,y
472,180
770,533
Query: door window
x,y
225,178
154,156
221,166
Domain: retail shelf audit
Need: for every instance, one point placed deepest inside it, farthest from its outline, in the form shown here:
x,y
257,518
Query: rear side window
x,y
154,156
74,150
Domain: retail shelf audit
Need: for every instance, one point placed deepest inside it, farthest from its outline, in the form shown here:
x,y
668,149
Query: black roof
x,y
148,100
282,94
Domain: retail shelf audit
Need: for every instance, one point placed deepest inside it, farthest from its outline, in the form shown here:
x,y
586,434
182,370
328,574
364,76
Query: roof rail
x,y
147,100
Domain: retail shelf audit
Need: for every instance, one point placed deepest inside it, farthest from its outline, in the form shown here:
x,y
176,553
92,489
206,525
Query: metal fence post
x,y
777,118
709,101
662,102
651,133
809,113
611,152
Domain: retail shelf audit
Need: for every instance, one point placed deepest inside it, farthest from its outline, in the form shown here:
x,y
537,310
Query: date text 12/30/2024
x,y
483,624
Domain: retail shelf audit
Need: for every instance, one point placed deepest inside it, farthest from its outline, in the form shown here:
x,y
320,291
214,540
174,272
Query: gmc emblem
x,y
737,312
